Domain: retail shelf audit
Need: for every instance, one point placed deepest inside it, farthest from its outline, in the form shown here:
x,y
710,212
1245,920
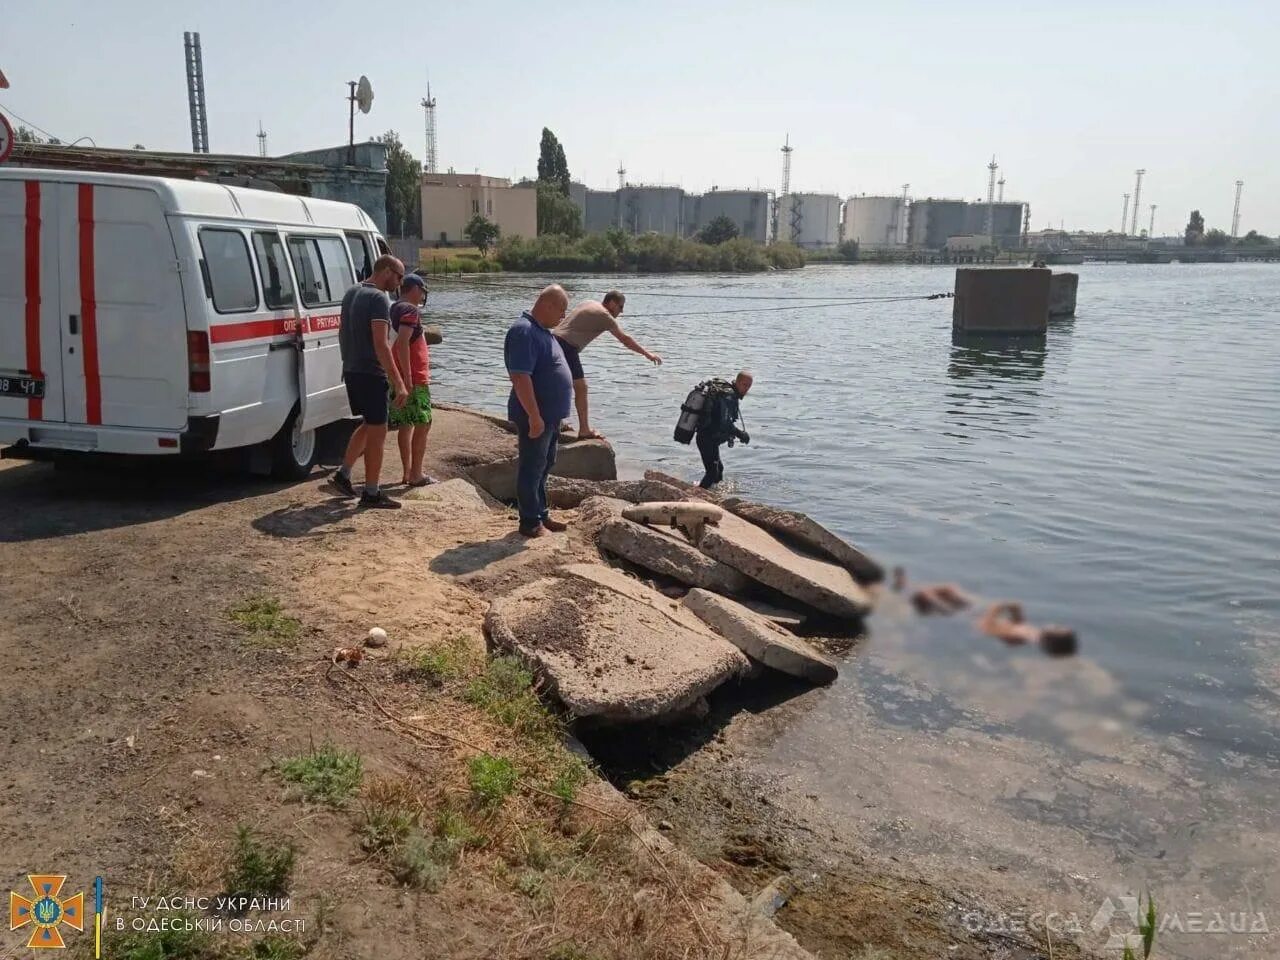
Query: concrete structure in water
x,y
1062,294
324,174
875,221
1001,301
809,219
450,200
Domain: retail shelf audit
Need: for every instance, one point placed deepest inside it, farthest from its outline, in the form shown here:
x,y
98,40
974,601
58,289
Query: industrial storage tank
x,y
931,221
652,209
809,219
600,211
748,209
875,221
1006,221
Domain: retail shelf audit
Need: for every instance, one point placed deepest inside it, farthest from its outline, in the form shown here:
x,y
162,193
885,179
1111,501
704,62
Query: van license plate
x,y
32,387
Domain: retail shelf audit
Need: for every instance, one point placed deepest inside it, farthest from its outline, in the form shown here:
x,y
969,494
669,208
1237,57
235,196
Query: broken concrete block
x,y
804,530
584,460
668,555
760,639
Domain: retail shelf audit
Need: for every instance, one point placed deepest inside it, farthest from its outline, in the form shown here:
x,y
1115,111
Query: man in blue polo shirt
x,y
541,397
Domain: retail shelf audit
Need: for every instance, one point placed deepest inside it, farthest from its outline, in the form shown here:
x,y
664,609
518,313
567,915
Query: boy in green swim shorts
x,y
412,421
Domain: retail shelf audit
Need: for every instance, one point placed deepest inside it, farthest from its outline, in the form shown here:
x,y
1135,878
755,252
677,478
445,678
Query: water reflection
x,y
994,357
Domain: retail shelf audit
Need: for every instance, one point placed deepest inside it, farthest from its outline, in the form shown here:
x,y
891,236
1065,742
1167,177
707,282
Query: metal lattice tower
x,y
622,175
262,140
1124,216
1026,223
992,167
906,223
195,93
430,158
1235,216
1151,227
786,187
1137,196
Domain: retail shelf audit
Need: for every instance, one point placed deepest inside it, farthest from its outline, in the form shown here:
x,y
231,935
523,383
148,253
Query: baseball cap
x,y
413,280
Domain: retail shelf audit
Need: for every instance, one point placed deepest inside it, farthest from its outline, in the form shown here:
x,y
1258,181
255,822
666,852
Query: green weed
x,y
327,775
492,779
276,948
1146,928
266,621
258,867
573,773
505,692
159,945
438,663
384,827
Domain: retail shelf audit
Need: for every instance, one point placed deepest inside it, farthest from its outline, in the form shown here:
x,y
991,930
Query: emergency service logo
x,y
46,912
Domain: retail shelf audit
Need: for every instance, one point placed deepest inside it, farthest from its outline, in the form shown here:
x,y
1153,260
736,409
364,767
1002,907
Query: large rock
x,y
584,460
802,529
690,490
457,496
565,494
620,655
595,512
668,554
760,639
815,583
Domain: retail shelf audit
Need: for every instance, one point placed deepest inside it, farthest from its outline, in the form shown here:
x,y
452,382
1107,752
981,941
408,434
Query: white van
x,y
141,315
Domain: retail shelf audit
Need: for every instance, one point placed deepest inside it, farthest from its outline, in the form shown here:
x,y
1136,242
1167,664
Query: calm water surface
x,y
1121,475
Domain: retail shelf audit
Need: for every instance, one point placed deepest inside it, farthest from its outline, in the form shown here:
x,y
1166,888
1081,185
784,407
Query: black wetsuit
x,y
717,426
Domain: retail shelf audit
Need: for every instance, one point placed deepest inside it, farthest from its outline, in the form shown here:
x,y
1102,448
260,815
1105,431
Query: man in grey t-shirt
x,y
367,366
587,321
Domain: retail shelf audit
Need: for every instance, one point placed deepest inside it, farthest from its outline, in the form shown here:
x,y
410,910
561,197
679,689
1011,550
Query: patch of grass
x,y
258,867
384,827
531,884
454,829
505,692
573,773
492,779
420,862
159,945
437,664
266,621
276,948
327,775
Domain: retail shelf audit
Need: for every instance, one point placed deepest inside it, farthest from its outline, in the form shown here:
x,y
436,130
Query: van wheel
x,y
293,451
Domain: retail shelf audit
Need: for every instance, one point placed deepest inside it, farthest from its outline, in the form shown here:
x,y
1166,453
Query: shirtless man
x,y
1005,621
932,598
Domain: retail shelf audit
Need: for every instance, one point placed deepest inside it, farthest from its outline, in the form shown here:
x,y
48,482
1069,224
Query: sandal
x,y
424,482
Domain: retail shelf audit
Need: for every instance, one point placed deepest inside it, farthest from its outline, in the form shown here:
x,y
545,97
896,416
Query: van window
x,y
383,249
228,274
277,285
337,268
361,255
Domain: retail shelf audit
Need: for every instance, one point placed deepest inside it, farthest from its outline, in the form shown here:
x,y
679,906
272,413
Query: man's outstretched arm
x,y
630,343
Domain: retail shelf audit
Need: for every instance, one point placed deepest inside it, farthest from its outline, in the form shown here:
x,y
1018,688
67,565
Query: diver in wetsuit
x,y
718,424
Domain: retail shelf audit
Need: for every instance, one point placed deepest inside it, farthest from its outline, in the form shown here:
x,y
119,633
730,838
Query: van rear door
x,y
322,265
30,311
123,336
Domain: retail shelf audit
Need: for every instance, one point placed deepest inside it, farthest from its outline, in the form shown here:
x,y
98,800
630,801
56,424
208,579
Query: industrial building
x,y
809,219
748,209
450,200
876,221
932,222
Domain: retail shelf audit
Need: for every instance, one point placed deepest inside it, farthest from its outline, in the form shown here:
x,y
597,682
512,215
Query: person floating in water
x,y
932,598
1005,621
718,423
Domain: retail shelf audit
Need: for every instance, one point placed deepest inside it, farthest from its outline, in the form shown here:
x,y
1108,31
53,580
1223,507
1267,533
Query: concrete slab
x,y
565,493
660,552
456,495
815,583
613,654
760,639
779,615
804,530
691,490
584,460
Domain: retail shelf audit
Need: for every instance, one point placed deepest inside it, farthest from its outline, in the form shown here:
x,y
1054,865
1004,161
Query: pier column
x,y
1001,300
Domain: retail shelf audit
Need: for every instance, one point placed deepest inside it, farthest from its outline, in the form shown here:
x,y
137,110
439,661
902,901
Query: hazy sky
x,y
1071,97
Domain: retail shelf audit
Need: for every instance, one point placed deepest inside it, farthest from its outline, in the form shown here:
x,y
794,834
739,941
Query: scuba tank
x,y
691,414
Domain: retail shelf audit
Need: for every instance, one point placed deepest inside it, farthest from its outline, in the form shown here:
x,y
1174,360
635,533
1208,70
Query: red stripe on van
x,y
252,329
35,406
89,309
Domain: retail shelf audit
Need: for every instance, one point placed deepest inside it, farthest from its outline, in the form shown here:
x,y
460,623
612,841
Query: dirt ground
x,y
143,724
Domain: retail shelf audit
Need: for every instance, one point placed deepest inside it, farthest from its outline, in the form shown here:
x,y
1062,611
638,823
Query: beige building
x,y
450,200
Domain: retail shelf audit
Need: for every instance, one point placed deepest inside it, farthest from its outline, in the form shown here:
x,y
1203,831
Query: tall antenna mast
x,y
262,139
786,166
429,107
992,167
905,221
1137,195
1151,227
1000,183
1235,216
1124,216
195,93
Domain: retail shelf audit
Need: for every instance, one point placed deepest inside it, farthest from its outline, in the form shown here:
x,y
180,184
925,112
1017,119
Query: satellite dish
x,y
364,94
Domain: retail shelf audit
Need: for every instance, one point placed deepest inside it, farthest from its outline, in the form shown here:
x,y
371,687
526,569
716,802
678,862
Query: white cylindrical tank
x,y
809,219
875,221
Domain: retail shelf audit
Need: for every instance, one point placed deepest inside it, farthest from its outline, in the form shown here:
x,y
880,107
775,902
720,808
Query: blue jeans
x,y
536,458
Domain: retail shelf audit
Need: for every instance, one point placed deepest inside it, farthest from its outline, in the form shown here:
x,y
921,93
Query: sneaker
x,y
538,531
378,501
342,484
555,526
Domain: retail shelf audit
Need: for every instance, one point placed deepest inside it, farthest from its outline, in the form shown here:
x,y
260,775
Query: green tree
x,y
26,135
1254,239
552,165
1194,235
482,233
1216,238
718,231
404,188
557,214
848,250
